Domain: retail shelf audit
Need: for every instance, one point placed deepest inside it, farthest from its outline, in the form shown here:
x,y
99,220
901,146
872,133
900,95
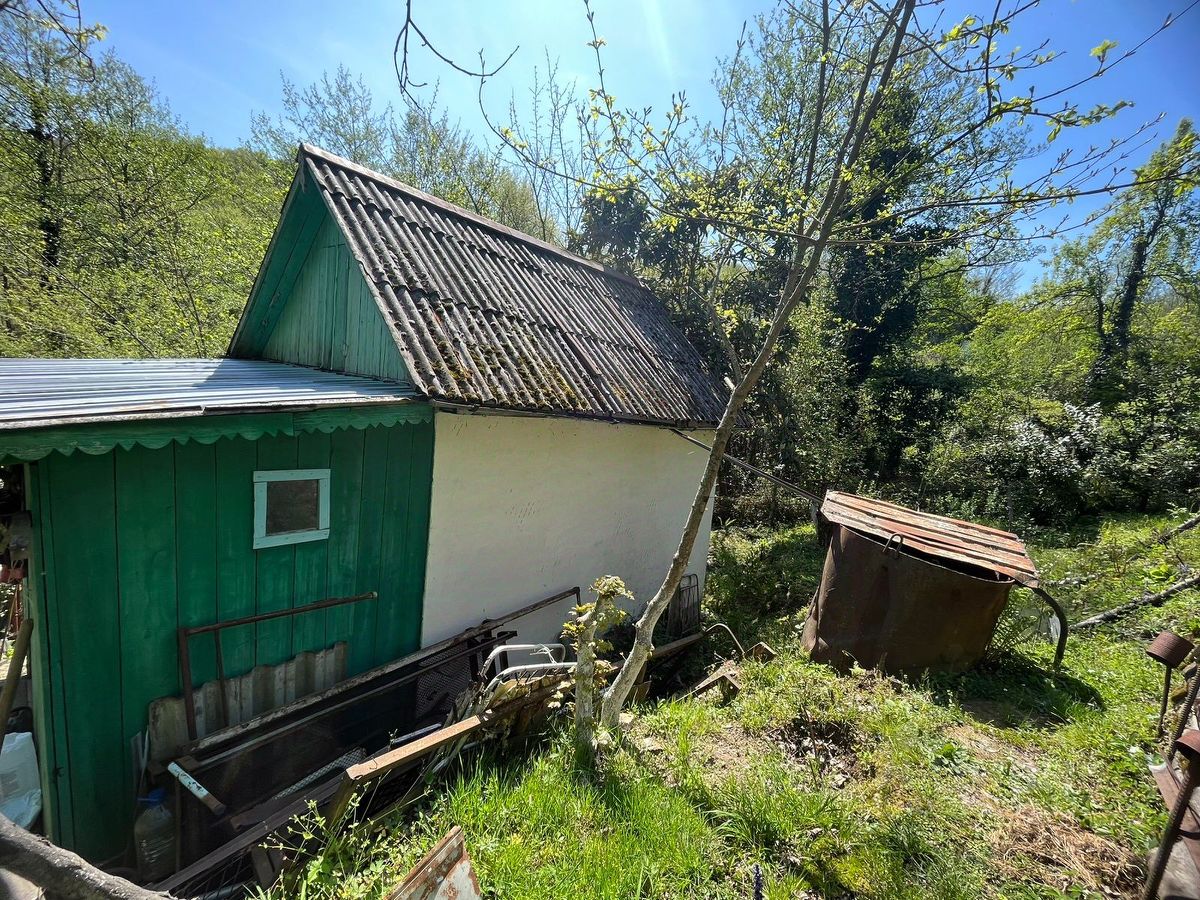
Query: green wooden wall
x,y
311,303
134,543
330,320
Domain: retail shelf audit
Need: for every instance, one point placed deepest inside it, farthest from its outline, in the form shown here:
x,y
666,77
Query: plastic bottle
x,y
154,838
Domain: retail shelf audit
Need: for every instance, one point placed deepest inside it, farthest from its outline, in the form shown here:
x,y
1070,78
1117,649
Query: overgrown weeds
x,y
1011,780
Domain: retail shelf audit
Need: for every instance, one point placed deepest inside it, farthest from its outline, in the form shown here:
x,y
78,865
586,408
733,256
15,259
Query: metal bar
x,y
219,658
485,627
185,674
1061,647
774,479
1166,698
1184,714
279,613
185,656
287,727
1191,776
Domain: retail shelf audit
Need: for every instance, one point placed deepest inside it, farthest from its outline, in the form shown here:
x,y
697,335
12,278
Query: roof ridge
x,y
460,212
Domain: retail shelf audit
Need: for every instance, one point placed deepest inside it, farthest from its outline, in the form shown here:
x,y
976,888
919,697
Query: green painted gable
x,y
311,304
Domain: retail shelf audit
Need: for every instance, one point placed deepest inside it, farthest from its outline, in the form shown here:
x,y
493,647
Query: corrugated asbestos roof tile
x,y
487,316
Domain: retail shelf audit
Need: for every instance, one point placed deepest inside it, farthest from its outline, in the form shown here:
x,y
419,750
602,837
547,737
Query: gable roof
x,y
486,316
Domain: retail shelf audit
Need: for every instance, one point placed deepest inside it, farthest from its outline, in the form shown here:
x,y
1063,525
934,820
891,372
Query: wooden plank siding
x,y
330,320
134,543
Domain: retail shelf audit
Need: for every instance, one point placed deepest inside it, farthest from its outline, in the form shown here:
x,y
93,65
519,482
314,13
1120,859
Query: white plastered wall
x,y
525,507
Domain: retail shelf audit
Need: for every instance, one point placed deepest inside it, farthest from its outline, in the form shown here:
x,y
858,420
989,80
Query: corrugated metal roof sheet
x,y
41,392
487,316
940,536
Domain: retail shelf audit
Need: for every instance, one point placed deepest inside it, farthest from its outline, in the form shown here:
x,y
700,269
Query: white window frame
x,y
262,479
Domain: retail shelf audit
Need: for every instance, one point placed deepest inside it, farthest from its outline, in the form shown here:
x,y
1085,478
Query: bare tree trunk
x,y
64,875
585,688
795,291
1147,600
1167,536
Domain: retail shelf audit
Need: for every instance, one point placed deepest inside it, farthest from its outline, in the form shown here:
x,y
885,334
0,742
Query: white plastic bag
x,y
20,789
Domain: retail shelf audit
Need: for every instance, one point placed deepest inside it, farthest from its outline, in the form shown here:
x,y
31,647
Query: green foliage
x,y
122,234
1010,780
753,572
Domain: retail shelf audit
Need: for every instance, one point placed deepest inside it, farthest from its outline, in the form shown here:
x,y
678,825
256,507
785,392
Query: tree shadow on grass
x,y
1015,692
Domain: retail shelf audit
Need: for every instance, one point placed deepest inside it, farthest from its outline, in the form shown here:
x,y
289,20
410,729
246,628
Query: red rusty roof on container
x,y
939,536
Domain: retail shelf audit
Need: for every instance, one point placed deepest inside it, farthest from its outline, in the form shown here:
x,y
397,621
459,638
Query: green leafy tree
x,y
802,146
125,235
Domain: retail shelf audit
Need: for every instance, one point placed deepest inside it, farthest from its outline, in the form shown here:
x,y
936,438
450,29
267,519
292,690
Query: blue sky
x,y
217,61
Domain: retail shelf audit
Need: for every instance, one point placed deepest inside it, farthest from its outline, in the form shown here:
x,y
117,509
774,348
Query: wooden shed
x,y
418,404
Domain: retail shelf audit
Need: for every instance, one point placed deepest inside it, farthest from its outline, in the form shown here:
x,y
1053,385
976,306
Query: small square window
x,y
291,506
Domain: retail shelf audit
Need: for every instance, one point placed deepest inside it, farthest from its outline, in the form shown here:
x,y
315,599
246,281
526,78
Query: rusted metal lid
x,y
1189,745
939,536
1169,649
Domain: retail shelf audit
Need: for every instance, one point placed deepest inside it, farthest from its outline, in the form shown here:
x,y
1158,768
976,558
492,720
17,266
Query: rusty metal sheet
x,y
486,316
938,536
881,607
444,874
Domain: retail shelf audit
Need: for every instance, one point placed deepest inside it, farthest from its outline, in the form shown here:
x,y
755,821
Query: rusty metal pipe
x,y
279,613
1170,650
1189,746
1184,713
1061,615
1162,710
185,634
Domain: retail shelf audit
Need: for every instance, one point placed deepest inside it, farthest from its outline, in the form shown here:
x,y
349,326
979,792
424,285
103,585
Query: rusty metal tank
x,y
907,592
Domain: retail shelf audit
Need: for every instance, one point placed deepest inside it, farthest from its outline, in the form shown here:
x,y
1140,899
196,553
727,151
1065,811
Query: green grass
x,y
1008,781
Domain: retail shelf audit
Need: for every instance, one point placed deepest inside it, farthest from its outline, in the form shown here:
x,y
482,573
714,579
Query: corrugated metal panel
x,y
966,542
485,315
38,392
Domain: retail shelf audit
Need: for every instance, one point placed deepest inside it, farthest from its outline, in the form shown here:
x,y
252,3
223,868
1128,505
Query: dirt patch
x,y
985,747
993,712
1034,846
730,752
733,751
830,747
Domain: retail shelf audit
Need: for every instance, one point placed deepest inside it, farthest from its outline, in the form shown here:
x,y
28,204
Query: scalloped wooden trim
x,y
28,445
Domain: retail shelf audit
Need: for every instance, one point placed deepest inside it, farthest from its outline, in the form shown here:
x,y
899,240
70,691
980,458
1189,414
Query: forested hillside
x,y
921,369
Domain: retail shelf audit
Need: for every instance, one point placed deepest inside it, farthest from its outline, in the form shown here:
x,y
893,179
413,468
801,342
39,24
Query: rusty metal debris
x,y
906,591
185,657
337,753
1177,788
319,751
939,537
725,678
1170,650
444,874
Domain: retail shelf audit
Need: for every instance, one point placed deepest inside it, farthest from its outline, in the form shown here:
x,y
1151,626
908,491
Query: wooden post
x,y
20,651
60,872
